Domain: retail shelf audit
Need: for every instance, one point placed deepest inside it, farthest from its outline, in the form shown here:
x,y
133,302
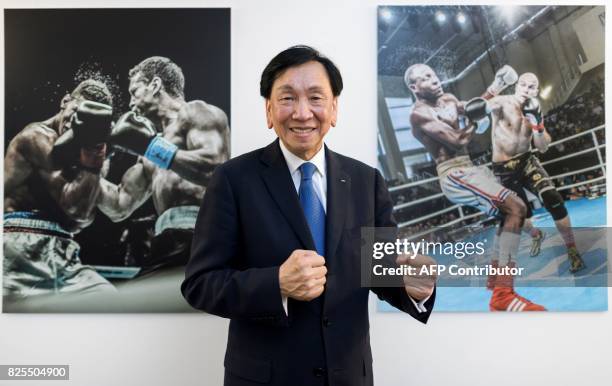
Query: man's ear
x,y
412,88
334,117
65,100
269,114
156,85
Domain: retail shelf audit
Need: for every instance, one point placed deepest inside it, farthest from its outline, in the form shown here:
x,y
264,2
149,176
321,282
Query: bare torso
x,y
30,185
510,135
438,127
168,188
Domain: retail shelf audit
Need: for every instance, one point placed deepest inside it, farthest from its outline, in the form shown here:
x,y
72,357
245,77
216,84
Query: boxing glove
x,y
504,77
137,135
478,112
83,144
533,113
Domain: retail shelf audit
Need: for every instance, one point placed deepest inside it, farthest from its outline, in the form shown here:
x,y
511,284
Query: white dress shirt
x,y
319,178
319,182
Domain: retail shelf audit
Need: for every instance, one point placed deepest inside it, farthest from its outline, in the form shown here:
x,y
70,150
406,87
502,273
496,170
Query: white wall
x,y
457,349
590,41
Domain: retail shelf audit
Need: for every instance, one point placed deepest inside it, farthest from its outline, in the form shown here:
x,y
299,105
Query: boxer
x,y
51,186
178,144
517,122
445,126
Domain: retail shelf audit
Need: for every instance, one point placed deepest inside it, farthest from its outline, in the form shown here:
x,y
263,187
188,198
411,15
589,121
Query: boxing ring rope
x,y
462,217
414,183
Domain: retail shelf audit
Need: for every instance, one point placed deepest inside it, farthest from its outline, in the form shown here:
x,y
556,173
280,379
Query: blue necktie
x,y
313,209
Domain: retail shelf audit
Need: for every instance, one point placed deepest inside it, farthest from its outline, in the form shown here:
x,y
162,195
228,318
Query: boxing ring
x,y
462,216
584,212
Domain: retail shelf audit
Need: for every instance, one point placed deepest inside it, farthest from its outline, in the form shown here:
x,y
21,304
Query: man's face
x,y
69,106
426,84
143,95
302,108
527,87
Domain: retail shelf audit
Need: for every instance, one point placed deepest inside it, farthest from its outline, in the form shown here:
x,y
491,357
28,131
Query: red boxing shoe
x,y
505,299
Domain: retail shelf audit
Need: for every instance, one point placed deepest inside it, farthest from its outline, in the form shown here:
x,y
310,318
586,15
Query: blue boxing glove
x,y
137,135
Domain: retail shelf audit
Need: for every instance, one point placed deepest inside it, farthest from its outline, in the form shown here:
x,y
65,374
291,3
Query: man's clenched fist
x,y
302,275
418,286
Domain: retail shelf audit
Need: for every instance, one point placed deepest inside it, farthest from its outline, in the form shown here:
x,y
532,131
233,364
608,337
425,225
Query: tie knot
x,y
307,169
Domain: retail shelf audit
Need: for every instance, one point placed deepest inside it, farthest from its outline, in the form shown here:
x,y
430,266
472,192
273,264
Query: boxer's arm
x,y
440,131
17,168
534,119
118,202
504,77
461,107
216,279
207,142
542,140
78,197
496,106
31,150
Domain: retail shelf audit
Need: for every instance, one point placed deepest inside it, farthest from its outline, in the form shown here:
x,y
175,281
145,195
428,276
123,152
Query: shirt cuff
x,y
420,306
285,304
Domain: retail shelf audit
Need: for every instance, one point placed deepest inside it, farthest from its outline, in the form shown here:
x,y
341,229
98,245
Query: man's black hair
x,y
170,74
93,90
295,56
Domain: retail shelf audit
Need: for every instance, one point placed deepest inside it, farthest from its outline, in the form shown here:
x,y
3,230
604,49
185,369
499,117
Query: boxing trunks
x,y
41,258
464,183
171,244
523,171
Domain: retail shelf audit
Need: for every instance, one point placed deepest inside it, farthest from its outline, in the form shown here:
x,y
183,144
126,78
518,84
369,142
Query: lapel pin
x,y
342,180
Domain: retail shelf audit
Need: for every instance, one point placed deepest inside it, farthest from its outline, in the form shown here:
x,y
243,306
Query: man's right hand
x,y
133,133
504,77
302,275
137,135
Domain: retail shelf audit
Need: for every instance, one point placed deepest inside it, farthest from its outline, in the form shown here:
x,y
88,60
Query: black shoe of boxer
x,y
536,243
576,262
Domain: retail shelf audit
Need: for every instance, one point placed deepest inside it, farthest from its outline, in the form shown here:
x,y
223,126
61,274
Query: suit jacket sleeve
x,y
214,281
396,296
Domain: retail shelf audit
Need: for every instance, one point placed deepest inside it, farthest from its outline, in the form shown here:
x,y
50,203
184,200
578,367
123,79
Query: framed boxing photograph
x,y
115,120
491,140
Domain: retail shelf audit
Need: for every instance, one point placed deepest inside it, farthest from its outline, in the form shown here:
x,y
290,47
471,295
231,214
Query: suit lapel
x,y
338,193
280,185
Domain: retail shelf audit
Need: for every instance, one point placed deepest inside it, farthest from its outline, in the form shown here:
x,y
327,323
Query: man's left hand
x,y
419,286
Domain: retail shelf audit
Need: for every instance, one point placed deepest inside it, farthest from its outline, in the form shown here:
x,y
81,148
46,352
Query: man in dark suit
x,y
277,242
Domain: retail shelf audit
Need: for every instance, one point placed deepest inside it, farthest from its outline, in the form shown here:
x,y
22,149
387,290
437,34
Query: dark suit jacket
x,y
249,223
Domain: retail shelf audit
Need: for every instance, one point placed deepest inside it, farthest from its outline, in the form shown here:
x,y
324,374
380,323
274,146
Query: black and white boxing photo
x,y
112,135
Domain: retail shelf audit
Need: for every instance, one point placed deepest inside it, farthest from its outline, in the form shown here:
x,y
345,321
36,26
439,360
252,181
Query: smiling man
x,y
277,242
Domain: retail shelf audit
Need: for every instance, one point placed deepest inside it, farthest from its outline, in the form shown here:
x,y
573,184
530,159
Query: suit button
x,y
326,322
318,371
